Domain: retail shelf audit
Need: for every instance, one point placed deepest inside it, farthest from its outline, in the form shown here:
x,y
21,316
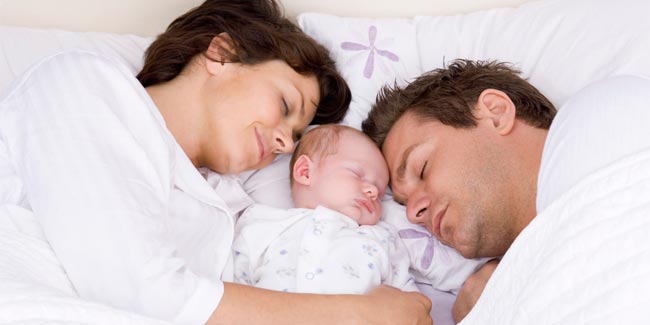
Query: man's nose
x,y
417,209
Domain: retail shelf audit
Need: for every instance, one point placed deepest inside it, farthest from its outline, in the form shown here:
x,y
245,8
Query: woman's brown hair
x,y
259,32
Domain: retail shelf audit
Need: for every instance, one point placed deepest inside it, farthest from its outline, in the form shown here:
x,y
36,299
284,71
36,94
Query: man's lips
x,y
366,204
437,220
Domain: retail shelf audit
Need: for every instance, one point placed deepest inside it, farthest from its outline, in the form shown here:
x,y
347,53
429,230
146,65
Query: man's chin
x,y
467,251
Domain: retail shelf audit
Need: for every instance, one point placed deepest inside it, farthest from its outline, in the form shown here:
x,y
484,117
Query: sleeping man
x,y
333,241
471,155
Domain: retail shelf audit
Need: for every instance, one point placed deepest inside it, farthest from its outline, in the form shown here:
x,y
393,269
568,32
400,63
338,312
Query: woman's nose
x,y
283,141
417,209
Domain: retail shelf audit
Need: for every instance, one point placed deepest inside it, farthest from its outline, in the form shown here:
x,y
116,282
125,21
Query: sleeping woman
x,y
131,178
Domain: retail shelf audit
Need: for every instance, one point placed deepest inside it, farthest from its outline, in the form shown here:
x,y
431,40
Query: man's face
x,y
455,182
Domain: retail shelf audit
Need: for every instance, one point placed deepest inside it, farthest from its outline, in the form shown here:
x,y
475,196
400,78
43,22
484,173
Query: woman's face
x,y
254,113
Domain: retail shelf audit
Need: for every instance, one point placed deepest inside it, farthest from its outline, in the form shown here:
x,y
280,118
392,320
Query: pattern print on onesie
x,y
350,271
286,272
320,226
370,249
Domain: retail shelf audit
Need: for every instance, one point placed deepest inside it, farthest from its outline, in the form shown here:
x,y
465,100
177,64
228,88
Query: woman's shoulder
x,y
70,66
78,56
83,63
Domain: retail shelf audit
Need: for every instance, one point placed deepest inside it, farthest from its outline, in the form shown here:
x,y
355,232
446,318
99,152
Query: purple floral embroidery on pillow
x,y
427,257
370,62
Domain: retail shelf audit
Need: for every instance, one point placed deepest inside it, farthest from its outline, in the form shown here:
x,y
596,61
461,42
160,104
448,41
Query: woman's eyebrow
x,y
301,101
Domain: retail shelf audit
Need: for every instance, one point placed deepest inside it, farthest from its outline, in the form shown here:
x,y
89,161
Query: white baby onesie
x,y
317,251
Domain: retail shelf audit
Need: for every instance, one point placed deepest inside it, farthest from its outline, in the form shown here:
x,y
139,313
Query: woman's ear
x,y
302,170
496,108
220,51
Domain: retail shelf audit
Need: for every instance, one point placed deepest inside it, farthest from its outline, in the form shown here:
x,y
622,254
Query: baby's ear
x,y
302,170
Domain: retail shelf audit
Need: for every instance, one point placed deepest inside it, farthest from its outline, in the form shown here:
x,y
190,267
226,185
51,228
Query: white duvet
x,y
34,288
583,260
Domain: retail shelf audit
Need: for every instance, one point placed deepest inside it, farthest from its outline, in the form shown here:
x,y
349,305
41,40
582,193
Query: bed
x,y
560,45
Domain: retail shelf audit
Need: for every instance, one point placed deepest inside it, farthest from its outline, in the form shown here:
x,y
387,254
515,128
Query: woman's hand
x,y
472,289
388,305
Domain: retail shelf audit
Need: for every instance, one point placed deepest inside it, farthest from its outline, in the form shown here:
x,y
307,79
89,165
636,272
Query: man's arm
x,y
472,289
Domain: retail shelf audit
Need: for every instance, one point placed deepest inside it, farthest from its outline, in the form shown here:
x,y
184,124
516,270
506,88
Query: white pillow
x,y
560,45
270,185
368,52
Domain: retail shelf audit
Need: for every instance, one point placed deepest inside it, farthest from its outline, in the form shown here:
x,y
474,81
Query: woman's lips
x,y
437,220
260,144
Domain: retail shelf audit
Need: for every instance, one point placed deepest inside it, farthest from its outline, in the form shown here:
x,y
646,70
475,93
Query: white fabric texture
x,y
561,46
317,251
131,220
608,115
34,289
21,48
585,259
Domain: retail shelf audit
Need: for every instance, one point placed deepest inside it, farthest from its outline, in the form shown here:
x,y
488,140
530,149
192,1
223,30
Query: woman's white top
x,y
134,224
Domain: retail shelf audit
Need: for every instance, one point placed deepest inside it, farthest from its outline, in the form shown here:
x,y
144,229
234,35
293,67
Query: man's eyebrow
x,y
401,170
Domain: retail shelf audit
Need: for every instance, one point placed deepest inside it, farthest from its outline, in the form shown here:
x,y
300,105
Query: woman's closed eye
x,y
426,162
285,107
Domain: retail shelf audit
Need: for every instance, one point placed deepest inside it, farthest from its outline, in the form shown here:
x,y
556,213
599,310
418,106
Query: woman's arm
x,y
384,305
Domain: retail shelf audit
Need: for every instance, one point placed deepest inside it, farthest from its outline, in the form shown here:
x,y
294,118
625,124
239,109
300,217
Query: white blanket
x,y
583,260
34,288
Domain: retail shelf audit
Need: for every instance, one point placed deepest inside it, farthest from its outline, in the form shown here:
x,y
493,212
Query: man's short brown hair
x,y
449,95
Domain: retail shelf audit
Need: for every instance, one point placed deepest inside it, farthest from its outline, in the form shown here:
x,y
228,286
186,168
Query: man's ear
x,y
302,170
496,108
220,51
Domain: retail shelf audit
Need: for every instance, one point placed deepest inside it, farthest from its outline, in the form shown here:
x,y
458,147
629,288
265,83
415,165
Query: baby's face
x,y
353,180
